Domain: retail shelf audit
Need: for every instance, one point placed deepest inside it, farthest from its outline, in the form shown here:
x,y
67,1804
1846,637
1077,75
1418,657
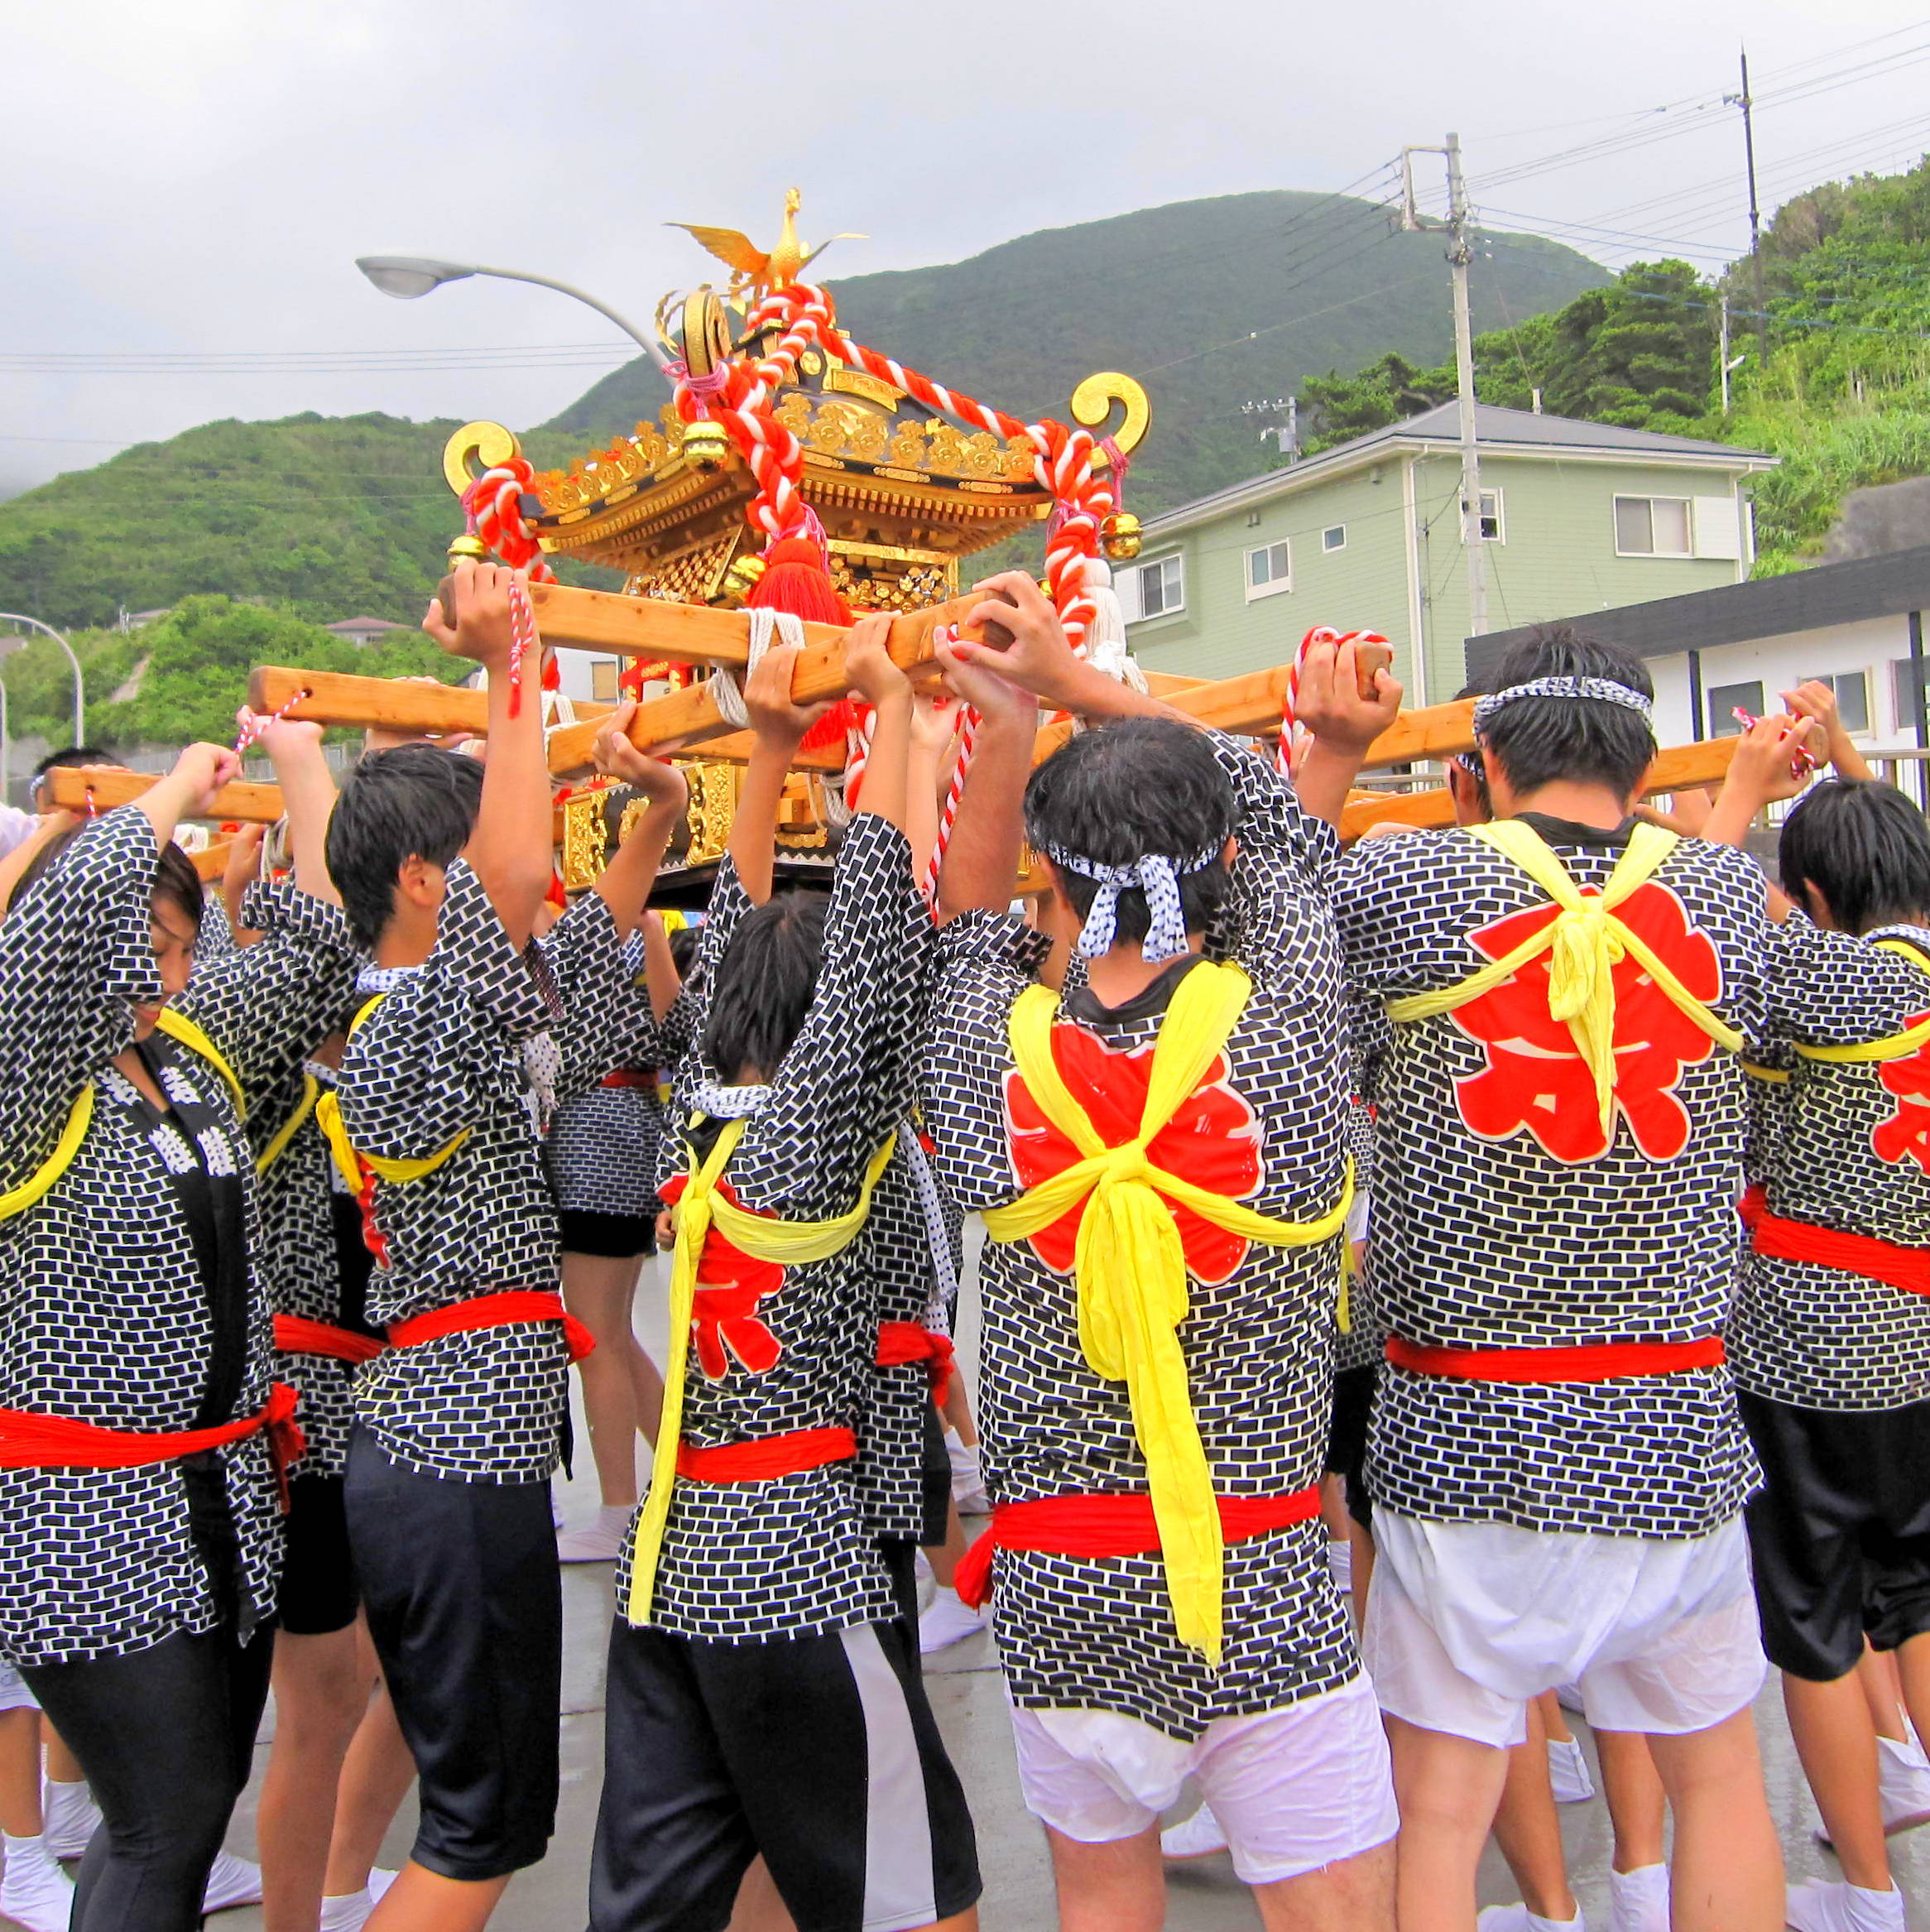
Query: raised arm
x,y
1761,771
308,796
981,869
659,965
510,847
779,725
1344,725
626,883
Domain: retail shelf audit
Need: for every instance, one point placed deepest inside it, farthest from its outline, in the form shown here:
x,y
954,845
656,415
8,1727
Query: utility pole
x,y
1756,218
1460,252
1728,363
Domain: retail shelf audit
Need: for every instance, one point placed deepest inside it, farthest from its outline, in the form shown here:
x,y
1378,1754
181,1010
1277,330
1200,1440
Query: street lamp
x,y
408,277
11,617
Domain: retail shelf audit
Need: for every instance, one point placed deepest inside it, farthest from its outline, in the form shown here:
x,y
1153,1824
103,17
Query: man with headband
x,y
1159,1155
1557,1464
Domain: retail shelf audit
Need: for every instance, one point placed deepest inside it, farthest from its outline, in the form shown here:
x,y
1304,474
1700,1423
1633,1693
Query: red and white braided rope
x,y
948,812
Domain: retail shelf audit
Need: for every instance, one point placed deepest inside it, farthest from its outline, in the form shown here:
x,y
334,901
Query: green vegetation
x,y
327,517
181,677
1843,395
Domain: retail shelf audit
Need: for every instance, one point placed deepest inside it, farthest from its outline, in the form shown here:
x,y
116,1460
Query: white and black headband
x,y
1158,876
1604,690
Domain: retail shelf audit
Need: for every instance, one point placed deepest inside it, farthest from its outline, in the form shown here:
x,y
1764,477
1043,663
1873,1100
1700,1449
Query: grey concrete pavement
x,y
966,1691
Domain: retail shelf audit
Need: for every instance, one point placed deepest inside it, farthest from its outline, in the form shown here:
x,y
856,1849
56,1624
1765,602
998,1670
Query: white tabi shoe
x,y
1517,1918
34,1892
69,1815
1823,1906
600,1541
231,1881
1638,1900
1197,1836
1567,1771
947,1620
967,1478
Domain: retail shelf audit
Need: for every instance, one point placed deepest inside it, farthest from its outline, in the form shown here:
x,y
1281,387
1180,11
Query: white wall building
x,y
1713,652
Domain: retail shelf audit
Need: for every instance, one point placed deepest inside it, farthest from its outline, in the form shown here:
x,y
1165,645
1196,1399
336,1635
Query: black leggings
x,y
166,1738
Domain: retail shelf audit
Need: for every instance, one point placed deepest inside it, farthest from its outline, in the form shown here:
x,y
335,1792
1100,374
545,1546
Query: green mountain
x,y
1210,304
1213,304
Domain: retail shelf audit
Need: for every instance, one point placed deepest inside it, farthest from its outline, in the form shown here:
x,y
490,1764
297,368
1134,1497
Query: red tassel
x,y
795,580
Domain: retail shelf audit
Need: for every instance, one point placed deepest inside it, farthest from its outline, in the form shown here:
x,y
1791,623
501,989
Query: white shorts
x,y
1465,1622
1293,1789
14,1694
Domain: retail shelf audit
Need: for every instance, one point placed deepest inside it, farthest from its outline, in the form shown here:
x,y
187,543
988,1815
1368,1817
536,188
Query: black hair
x,y
175,879
1470,761
1864,847
1125,789
1538,741
74,755
684,941
764,984
415,801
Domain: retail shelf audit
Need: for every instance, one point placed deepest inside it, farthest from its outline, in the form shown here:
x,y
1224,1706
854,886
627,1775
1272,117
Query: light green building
x,y
1576,516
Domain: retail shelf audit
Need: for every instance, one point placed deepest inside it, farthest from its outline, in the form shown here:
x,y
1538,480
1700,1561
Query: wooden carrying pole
x,y
74,788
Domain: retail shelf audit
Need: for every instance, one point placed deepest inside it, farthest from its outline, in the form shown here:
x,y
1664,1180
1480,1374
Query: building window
x,y
604,680
1852,694
1269,570
1494,528
1162,587
1652,527
1906,673
1726,700
1335,539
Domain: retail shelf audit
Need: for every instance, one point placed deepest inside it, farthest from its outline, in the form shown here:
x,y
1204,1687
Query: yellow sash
x,y
349,1160
699,1209
1130,1266
1587,940
310,1089
80,1117
1895,1045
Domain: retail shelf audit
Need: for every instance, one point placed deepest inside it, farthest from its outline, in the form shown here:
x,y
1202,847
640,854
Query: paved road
x,y
966,1691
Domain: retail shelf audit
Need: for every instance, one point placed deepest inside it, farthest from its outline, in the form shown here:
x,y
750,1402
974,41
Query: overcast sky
x,y
190,182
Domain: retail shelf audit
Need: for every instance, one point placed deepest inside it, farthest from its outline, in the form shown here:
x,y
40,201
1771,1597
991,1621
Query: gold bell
x,y
705,444
468,545
1121,534
741,576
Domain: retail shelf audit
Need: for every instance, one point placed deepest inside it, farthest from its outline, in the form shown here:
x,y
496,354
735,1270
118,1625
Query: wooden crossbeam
x,y
212,860
691,716
1680,768
70,787
398,705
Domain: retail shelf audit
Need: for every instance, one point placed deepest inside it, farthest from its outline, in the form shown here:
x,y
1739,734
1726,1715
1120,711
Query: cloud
x,y
197,179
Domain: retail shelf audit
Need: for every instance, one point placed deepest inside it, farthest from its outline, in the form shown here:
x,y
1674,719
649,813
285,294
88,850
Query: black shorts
x,y
820,1752
617,1237
465,1606
1346,1434
1840,1536
934,1473
319,1591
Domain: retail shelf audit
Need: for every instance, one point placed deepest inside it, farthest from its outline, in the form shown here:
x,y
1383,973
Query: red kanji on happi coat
x,y
1908,1130
730,1283
1534,1077
1213,1140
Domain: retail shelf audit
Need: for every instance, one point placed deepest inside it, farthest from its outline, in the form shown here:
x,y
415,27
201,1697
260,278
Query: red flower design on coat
x,y
1534,1079
730,1283
1908,1130
1213,1140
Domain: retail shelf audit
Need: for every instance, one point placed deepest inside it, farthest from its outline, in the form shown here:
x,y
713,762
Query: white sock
x,y
945,1593
616,1515
1638,1900
29,1850
347,1912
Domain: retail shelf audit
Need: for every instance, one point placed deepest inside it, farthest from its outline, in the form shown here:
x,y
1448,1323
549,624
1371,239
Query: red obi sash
x,y
902,1342
1597,1361
629,1077
767,1458
494,1311
1111,1526
1907,1268
295,1335
30,1441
